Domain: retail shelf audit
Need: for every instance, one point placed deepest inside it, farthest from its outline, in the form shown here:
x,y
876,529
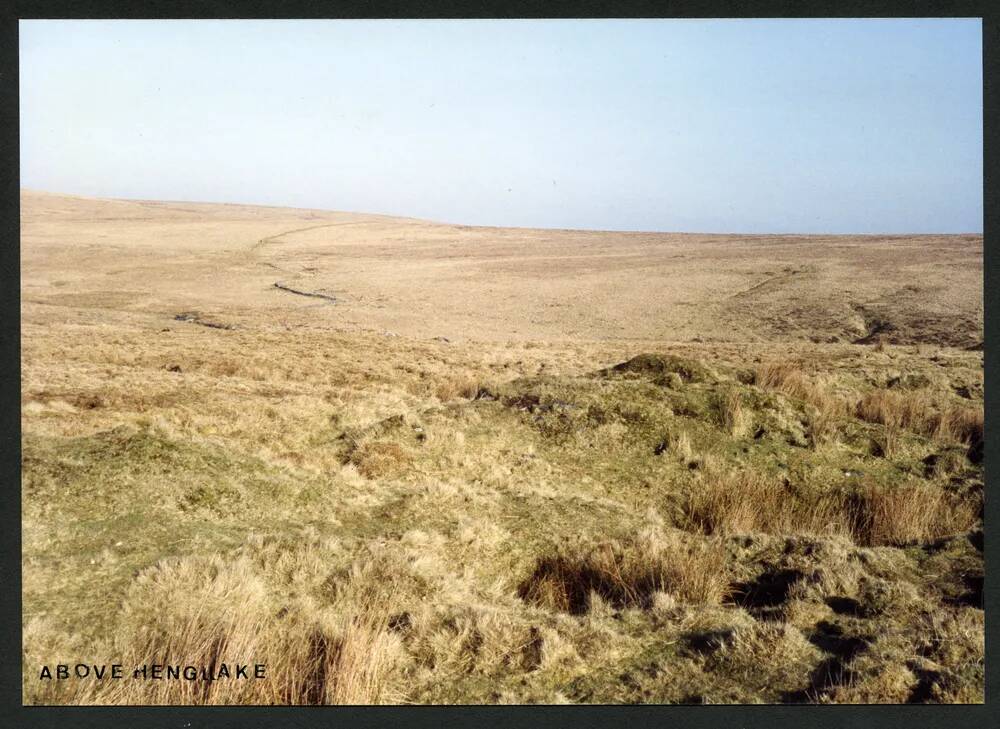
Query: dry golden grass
x,y
751,645
788,378
630,573
377,459
206,613
822,429
887,442
785,377
735,418
746,503
421,279
363,656
679,444
501,463
922,413
918,411
465,386
906,514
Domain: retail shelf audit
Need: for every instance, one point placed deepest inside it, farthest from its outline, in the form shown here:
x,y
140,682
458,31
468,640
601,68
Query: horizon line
x,y
21,189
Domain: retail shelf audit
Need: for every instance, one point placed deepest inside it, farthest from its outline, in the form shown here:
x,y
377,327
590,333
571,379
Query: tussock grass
x,y
734,417
441,582
463,386
906,514
679,444
376,459
922,413
401,500
822,428
745,502
630,573
747,647
364,654
207,612
887,442
789,379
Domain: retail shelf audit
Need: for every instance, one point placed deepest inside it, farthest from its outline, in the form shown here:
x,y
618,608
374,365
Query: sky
x,y
753,126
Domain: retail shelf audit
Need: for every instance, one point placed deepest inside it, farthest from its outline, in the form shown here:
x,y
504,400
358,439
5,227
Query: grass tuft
x,y
630,573
872,514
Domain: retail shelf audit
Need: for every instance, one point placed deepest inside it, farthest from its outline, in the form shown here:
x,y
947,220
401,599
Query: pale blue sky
x,y
677,125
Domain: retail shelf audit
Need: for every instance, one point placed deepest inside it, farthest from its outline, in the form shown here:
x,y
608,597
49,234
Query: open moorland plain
x,y
398,461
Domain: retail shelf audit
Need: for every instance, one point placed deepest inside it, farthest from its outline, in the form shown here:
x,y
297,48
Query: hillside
x,y
406,461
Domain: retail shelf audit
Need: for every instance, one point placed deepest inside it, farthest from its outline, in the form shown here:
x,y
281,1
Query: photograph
x,y
501,361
